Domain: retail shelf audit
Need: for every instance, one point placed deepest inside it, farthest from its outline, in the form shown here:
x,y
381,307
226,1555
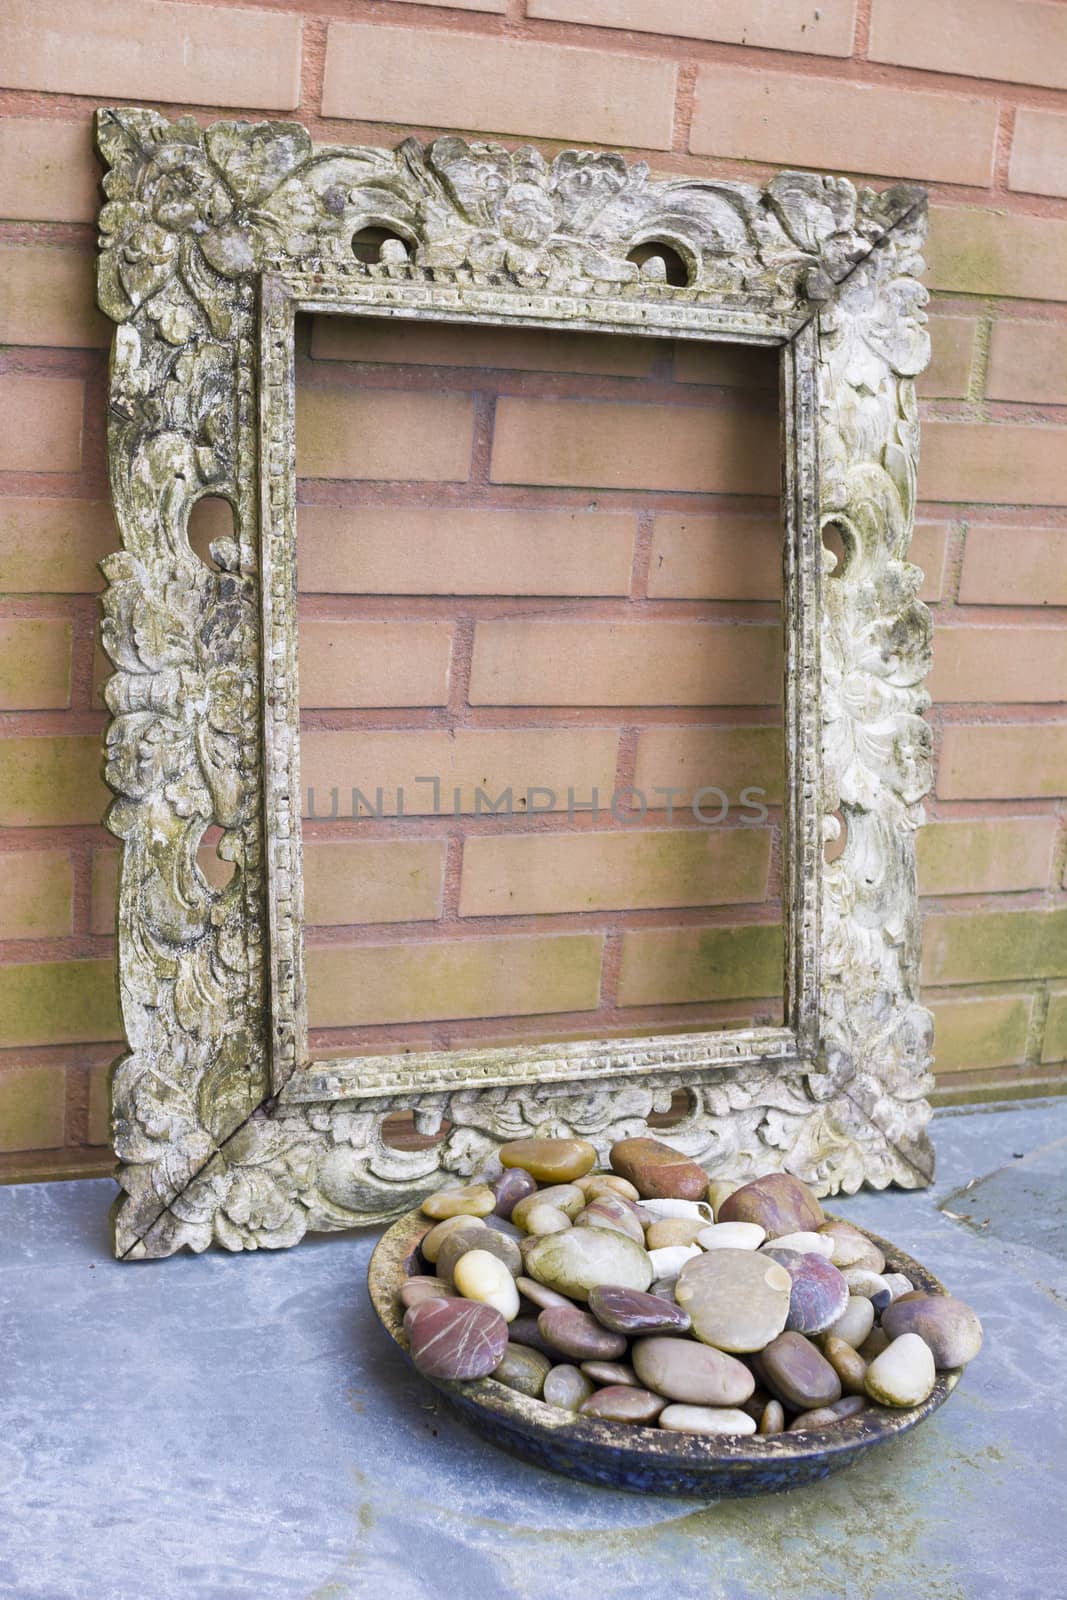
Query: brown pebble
x,y
673,1230
846,1362
797,1373
779,1203
549,1160
773,1418
579,1335
598,1183
658,1171
608,1373
621,1403
511,1187
418,1288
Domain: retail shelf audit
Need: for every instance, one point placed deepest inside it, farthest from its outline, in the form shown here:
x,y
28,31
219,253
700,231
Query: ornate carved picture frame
x,y
212,240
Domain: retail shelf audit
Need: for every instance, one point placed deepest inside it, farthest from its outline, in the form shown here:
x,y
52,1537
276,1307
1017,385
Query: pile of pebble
x,y
651,1295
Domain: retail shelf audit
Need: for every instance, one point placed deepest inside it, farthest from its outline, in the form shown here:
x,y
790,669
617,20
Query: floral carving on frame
x,y
211,240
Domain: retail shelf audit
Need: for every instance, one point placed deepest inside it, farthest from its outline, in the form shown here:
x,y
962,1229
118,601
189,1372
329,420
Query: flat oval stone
x,y
481,1276
849,1405
574,1262
872,1285
549,1160
692,1373
773,1418
806,1243
821,1417
876,1341
524,1330
667,1231
580,1335
539,1293
475,1200
819,1294
598,1183
545,1219
731,1236
566,1388
946,1324
851,1247
706,1420
565,1197
779,1203
668,1262
523,1369
611,1211
455,1338
511,1187
855,1322
629,1311
847,1363
464,1240
737,1299
430,1244
609,1373
622,1403
658,1171
660,1210
898,1284
904,1373
418,1288
798,1374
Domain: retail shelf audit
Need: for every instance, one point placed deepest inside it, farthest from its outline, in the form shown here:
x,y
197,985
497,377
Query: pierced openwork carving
x,y
211,240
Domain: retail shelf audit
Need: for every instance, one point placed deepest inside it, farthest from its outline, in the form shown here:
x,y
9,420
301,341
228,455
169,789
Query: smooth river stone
x,y
847,1363
946,1324
574,1262
464,1240
719,1189
851,1247
779,1203
731,1236
540,1295
511,1187
418,1288
904,1373
855,1322
565,1197
612,1211
549,1160
692,1373
623,1403
798,1374
455,1338
524,1330
628,1311
706,1420
609,1373
667,1231
805,1243
579,1335
430,1244
484,1277
545,1219
737,1299
819,1294
476,1200
872,1285
523,1369
598,1183
657,1171
898,1284
566,1387
773,1418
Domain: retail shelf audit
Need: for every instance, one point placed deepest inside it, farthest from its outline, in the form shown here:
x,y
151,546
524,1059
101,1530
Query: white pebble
x,y
898,1284
904,1373
808,1244
732,1236
678,1208
545,1219
706,1419
855,1322
669,1261
861,1280
484,1277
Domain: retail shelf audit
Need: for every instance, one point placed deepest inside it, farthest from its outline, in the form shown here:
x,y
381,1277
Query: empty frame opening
x,y
540,666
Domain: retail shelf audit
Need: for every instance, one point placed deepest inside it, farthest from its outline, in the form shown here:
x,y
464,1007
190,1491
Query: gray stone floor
x,y
209,1428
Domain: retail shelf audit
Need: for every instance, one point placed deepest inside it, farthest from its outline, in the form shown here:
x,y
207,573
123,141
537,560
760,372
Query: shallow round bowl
x,y
618,1455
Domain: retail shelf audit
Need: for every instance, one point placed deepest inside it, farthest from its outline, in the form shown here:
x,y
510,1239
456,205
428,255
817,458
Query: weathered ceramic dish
x,y
647,1460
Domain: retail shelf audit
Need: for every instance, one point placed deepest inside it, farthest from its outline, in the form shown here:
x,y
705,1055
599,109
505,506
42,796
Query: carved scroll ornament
x,y
224,1132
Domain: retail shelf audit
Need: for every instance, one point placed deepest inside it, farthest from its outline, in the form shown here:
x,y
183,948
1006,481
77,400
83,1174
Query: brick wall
x,y
532,479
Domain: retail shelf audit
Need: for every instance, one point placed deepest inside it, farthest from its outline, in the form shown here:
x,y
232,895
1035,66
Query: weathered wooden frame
x,y
212,239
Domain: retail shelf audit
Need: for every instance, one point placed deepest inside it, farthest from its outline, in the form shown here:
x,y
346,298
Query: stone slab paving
x,y
210,1428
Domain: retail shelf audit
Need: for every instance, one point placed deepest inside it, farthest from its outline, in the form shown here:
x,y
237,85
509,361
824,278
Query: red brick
x,y
623,446
973,251
824,30
772,116
48,172
42,429
715,558
497,85
1006,665
58,1002
144,50
36,900
420,550
1039,152
373,880
998,463
48,297
987,855
53,546
731,759
726,366
983,1031
384,433
447,345
367,984
374,663
632,663
952,345
1003,761
32,1106
531,874
672,966
929,546
34,664
1028,361
1017,41
49,781
1014,567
